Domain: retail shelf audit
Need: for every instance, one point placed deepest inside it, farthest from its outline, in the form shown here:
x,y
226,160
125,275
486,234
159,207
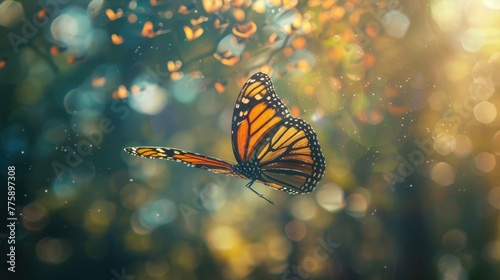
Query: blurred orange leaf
x,y
116,39
193,33
98,81
112,15
245,30
147,30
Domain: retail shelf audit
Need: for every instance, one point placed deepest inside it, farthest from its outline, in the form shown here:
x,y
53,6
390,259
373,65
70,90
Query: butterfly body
x,y
249,170
270,146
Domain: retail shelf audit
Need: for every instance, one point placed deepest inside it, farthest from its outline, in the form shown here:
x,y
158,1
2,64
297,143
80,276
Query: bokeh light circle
x,y
494,197
463,146
11,13
485,112
73,29
454,240
495,143
450,266
493,250
491,4
442,173
331,197
53,250
35,216
396,23
151,99
222,238
295,230
303,208
356,205
473,39
485,162
156,213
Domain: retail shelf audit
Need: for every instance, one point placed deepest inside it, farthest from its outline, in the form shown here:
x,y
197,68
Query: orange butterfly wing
x,y
191,159
292,159
258,109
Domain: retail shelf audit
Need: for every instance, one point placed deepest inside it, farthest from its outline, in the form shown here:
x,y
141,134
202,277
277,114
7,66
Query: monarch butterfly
x,y
270,146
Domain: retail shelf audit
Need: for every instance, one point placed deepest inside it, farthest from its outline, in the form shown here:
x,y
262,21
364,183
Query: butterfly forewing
x,y
257,110
189,158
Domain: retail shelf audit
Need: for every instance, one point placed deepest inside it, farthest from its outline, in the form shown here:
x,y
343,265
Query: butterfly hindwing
x,y
191,159
291,159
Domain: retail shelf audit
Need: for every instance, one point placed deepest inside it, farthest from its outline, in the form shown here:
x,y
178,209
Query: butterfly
x,y
270,146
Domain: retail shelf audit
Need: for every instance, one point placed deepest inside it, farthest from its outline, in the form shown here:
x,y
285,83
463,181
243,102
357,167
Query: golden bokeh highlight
x,y
185,256
495,143
303,208
438,101
444,143
456,70
462,146
259,6
331,197
239,14
279,248
493,250
485,112
356,205
223,238
442,173
485,162
212,6
99,216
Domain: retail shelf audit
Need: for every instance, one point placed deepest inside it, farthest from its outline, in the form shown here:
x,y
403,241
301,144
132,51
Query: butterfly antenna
x,y
249,185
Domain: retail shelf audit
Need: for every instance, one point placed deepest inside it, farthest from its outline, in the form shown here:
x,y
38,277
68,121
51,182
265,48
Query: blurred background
x,y
402,94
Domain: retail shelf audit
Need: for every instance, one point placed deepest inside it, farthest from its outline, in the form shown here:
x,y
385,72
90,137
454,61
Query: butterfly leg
x,y
249,185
